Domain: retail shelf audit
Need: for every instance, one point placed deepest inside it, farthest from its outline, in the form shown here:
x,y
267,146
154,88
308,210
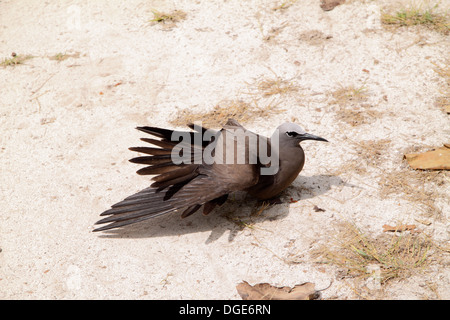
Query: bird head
x,y
291,132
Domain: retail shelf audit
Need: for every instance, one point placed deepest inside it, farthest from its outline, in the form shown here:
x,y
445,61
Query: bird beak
x,y
308,136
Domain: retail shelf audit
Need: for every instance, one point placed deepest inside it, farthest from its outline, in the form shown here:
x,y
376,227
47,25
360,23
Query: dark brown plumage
x,y
189,186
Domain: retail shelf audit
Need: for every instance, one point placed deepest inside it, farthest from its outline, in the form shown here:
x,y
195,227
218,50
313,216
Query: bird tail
x,y
152,202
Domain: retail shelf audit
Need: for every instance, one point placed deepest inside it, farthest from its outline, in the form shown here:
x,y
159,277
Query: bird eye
x,y
291,134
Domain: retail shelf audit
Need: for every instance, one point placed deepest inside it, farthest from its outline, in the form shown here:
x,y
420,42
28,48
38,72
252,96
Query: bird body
x,y
199,172
291,163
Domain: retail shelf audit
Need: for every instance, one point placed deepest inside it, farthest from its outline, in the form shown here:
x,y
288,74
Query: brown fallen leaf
x,y
328,5
438,159
317,209
265,291
400,228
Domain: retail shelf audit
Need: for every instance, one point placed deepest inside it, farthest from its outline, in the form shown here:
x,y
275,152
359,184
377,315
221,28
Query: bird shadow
x,y
239,212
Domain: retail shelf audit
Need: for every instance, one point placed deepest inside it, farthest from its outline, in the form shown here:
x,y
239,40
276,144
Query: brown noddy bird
x,y
211,169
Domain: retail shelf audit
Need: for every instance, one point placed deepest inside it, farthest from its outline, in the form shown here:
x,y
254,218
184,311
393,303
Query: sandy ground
x,y
65,127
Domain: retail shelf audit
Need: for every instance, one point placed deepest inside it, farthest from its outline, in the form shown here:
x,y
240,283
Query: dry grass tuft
x,y
352,107
419,187
366,154
372,151
415,186
349,95
418,16
63,56
239,110
171,18
444,71
384,257
15,60
251,220
357,116
259,208
266,86
271,86
284,5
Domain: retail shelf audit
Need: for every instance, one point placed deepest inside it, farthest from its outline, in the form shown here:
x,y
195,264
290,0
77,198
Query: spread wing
x,y
195,181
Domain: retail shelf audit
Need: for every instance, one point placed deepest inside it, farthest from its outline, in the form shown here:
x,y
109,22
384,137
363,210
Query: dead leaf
x,y
400,228
265,291
328,5
292,200
317,209
438,159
